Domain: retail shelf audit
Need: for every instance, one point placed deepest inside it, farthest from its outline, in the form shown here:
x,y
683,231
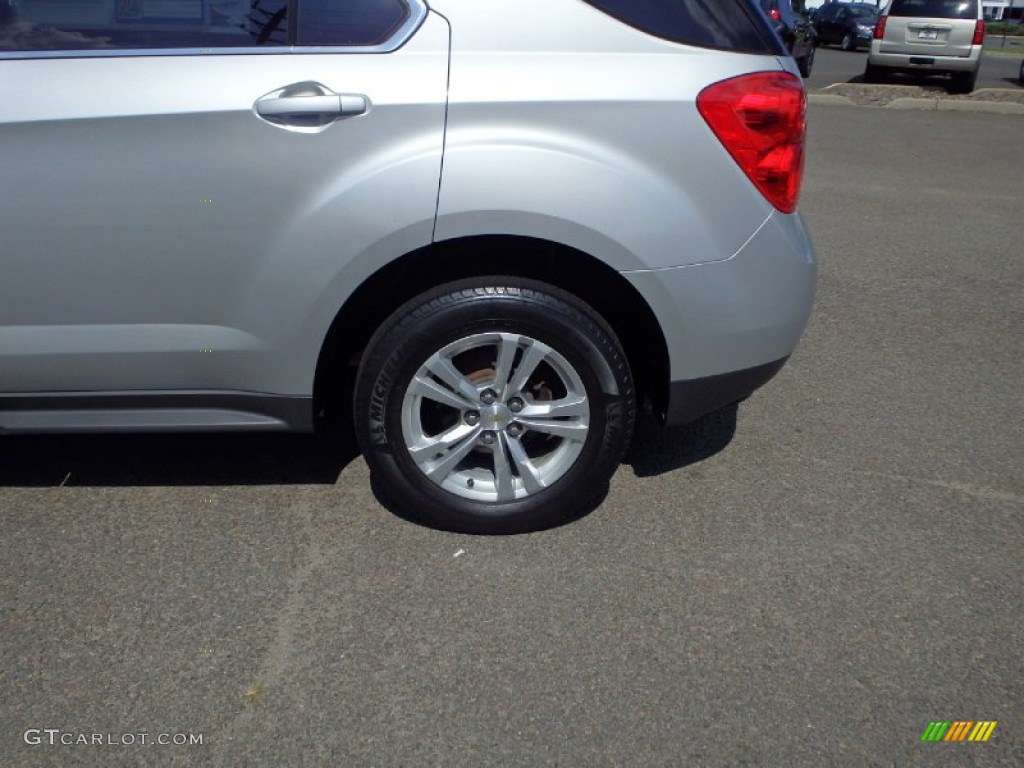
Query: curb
x,y
992,107
930,105
829,100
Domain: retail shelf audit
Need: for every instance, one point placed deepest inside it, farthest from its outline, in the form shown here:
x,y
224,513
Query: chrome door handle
x,y
308,107
331,105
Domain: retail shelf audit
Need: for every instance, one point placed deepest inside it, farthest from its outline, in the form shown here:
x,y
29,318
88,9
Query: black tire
x,y
1020,77
849,42
963,82
873,74
461,330
806,63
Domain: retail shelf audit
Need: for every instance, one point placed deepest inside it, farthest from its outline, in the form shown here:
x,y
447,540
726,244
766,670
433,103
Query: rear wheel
x,y
849,42
873,74
495,405
963,82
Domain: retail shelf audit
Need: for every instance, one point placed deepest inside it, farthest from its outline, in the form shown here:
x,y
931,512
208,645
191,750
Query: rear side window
x,y
349,22
935,9
732,25
859,12
98,25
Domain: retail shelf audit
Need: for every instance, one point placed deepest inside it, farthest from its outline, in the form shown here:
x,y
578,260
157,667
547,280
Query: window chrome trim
x,y
418,11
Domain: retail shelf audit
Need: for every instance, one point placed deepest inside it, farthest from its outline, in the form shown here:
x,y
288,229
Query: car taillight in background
x,y
774,14
979,33
880,27
760,119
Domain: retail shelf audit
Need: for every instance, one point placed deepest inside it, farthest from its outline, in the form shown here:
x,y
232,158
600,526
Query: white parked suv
x,y
487,232
929,36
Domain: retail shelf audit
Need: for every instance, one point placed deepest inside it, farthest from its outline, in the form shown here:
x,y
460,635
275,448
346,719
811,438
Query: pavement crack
x,y
989,494
278,657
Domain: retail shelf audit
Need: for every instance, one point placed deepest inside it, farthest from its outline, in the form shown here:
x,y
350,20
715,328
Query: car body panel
x,y
154,411
924,62
161,235
585,149
604,176
608,177
927,37
740,313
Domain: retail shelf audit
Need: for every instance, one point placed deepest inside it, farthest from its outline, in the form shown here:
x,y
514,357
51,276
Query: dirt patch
x,y
880,95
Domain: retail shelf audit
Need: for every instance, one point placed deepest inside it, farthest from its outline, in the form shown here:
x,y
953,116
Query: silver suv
x,y
929,36
487,231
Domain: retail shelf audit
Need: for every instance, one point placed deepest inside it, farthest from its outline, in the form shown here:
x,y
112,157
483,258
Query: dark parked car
x,y
793,25
848,25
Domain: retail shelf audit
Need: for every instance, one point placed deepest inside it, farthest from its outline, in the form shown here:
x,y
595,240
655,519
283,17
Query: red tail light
x,y
880,27
979,33
774,14
759,118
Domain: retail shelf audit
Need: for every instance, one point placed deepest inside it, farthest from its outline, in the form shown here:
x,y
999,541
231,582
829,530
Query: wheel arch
x,y
605,290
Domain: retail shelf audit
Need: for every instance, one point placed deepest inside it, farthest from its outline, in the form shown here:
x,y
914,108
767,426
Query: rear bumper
x,y
729,325
924,62
689,400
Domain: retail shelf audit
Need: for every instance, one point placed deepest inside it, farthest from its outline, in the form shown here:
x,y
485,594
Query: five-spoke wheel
x,y
498,405
495,417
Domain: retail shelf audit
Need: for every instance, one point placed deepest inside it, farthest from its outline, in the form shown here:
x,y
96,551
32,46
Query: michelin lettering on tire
x,y
378,428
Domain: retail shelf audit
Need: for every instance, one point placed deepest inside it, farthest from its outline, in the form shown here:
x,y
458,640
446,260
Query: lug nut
x,y
515,405
471,417
488,397
487,438
515,430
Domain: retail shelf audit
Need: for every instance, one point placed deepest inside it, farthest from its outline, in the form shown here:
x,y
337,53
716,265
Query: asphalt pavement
x,y
809,579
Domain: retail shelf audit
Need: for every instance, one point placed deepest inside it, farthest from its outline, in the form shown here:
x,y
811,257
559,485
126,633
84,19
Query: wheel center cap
x,y
495,416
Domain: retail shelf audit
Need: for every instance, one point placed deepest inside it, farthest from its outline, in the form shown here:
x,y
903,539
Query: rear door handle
x,y
308,107
331,105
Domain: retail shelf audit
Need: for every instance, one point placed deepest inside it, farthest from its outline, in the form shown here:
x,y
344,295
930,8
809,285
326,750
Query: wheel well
x,y
600,286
